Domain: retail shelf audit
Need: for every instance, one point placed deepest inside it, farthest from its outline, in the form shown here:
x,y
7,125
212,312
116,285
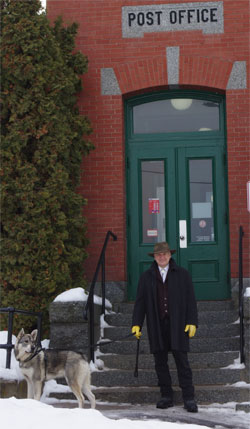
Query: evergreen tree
x,y
42,227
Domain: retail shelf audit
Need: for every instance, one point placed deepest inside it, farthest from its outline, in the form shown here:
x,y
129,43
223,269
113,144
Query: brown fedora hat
x,y
162,247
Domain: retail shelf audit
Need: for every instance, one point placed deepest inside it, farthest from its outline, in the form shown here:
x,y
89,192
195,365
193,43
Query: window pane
x,y
153,201
176,115
201,200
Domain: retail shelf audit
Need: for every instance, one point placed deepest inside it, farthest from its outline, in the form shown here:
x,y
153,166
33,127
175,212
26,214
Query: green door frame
x,y
139,146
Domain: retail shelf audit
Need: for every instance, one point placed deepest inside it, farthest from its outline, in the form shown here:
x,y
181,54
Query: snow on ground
x,y
28,413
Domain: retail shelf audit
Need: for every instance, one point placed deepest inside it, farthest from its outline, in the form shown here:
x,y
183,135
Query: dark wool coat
x,y
182,306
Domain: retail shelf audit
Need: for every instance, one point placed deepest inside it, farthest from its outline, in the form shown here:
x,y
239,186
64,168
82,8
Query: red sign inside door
x,y
154,205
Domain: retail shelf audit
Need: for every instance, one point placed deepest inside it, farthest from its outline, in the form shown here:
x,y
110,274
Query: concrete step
x,y
196,360
205,317
127,307
197,345
208,331
150,395
123,378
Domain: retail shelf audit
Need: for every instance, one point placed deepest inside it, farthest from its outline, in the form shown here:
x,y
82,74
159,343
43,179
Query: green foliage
x,y
42,227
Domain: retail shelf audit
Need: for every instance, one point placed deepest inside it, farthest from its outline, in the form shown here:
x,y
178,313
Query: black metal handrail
x,y
90,301
9,346
241,309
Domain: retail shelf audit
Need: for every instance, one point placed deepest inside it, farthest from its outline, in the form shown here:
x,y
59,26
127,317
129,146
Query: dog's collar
x,y
36,352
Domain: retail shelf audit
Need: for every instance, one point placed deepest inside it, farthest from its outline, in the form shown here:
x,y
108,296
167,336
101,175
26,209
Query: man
x,y
165,295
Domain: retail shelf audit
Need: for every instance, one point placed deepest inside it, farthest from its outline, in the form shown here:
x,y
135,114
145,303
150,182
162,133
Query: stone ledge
x,y
246,307
67,312
243,407
9,388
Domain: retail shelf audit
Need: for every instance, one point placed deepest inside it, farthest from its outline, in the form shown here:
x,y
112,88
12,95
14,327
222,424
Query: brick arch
x,y
136,75
196,71
211,72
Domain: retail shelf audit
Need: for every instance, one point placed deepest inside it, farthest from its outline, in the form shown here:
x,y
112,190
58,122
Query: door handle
x,y
183,234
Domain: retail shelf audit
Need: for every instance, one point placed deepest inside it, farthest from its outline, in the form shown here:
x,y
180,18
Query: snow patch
x,y
79,294
242,384
235,365
247,292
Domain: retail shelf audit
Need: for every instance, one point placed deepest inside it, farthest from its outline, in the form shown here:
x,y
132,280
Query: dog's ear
x,y
34,334
20,335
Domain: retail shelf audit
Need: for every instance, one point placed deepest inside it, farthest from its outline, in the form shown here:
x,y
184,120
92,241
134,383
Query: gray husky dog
x,y
39,365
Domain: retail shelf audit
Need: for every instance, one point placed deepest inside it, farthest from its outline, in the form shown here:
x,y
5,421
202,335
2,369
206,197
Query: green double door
x,y
176,191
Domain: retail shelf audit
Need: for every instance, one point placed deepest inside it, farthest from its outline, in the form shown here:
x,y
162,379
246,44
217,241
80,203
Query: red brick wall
x,y
238,137
206,60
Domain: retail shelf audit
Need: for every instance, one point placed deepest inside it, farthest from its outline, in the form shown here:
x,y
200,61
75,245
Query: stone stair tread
x,y
225,305
222,387
150,394
196,345
116,377
124,378
145,394
217,330
197,360
211,317
210,387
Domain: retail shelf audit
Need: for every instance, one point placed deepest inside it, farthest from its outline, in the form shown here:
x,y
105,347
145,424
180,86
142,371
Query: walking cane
x,y
137,358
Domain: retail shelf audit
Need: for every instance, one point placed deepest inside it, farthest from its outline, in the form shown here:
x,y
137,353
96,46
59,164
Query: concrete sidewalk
x,y
213,416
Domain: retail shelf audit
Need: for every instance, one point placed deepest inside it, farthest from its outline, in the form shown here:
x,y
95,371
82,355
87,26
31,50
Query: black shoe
x,y
191,406
165,402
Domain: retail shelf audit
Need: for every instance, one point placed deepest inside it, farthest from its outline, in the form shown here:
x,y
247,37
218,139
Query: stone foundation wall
x,y
68,329
246,312
246,309
9,388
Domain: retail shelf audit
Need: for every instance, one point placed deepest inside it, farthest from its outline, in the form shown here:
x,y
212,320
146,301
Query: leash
x,y
103,343
123,338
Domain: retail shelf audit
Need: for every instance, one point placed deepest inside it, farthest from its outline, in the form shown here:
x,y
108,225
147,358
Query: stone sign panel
x,y
205,16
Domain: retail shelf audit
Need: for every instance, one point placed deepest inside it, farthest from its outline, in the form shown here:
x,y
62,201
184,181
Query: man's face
x,y
162,259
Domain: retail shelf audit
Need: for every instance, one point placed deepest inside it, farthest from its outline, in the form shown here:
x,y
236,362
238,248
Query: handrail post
x,y
241,311
240,264
39,328
90,301
103,285
9,339
91,328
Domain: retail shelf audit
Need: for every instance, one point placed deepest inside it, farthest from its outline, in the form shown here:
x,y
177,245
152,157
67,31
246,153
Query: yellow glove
x,y
191,329
136,331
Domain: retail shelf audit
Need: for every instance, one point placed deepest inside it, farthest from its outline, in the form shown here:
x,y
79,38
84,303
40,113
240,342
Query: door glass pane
x,y
153,201
176,115
201,200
